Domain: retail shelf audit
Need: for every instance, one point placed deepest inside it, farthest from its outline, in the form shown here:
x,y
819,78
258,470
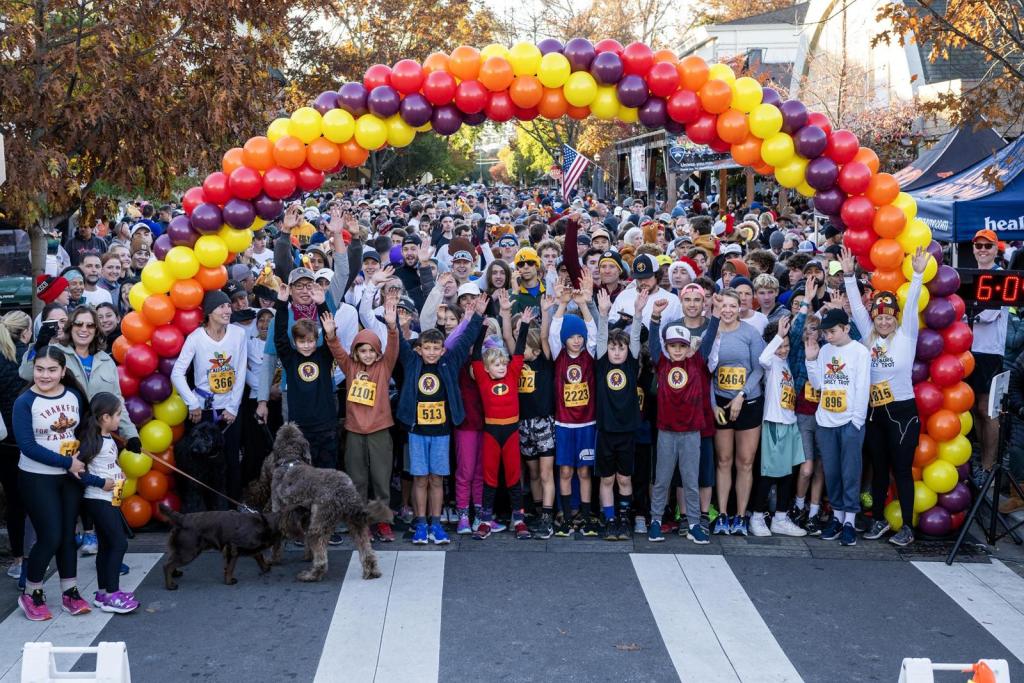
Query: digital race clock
x,y
991,288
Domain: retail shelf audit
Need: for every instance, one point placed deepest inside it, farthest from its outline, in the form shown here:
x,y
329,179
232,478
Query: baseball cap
x,y
676,333
234,289
987,235
832,318
664,260
493,219
644,267
807,247
731,248
298,274
508,240
239,272
371,254
469,288
324,273
600,232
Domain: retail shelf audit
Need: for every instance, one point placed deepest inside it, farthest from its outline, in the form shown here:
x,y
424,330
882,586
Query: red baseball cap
x,y
987,235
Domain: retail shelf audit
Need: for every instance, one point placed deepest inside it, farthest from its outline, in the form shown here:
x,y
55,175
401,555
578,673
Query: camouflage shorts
x,y
537,437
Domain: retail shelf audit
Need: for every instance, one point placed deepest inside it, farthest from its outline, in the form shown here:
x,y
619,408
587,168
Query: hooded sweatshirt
x,y
367,406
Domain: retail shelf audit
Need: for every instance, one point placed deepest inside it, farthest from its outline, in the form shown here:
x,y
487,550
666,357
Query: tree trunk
x,y
37,254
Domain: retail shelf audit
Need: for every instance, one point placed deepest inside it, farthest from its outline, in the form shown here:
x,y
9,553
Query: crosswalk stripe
x,y
711,629
387,629
65,630
991,593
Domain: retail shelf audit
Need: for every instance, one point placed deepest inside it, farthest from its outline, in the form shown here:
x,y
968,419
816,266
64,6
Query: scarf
x,y
304,311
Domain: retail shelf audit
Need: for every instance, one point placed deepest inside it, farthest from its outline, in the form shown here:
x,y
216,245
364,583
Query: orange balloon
x,y
889,220
553,104
136,328
882,189
464,62
158,309
289,152
578,113
211,278
763,168
438,61
887,254
496,74
258,153
748,152
916,473
186,294
352,155
732,126
120,348
958,398
177,431
967,360
943,425
867,157
137,511
887,280
526,91
322,154
693,73
232,160
715,96
162,460
152,485
926,451
665,56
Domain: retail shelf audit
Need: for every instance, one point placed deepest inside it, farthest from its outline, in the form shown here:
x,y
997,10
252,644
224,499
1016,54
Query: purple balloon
x,y
935,521
956,500
446,119
939,313
810,142
606,68
395,255
238,213
920,372
166,366
161,246
383,101
770,96
794,116
580,52
821,174
929,345
653,113
837,221
474,119
674,127
829,201
935,249
352,98
155,388
181,233
964,471
207,218
139,411
549,45
632,91
267,208
416,110
945,282
326,101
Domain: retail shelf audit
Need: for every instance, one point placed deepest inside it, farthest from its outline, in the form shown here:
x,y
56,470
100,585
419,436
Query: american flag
x,y
573,165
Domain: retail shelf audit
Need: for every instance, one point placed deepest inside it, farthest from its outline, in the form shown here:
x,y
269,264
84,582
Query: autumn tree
x,y
721,11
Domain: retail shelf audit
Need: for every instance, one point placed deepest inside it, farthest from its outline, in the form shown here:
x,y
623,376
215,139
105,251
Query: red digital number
x,y
1011,287
984,288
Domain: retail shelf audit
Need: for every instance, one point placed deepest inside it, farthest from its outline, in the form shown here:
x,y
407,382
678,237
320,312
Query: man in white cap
x,y
645,276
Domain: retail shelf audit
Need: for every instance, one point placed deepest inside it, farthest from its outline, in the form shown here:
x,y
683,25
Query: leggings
x,y
469,475
9,454
501,453
113,542
52,502
891,440
783,493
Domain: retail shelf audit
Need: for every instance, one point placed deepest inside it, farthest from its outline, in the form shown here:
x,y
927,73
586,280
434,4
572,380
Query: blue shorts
x,y
574,446
428,455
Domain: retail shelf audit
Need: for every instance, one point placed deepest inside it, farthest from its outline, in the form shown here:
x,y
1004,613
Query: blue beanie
x,y
740,280
571,326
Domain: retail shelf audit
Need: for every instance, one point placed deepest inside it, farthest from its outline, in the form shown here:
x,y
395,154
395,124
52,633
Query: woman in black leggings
x,y
15,332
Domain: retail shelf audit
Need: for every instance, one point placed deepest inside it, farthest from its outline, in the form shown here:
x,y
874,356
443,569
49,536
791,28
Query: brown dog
x,y
233,533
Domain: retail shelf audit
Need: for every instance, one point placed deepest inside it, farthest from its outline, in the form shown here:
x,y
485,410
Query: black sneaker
x,y
611,530
815,525
336,539
705,523
834,530
543,529
877,530
624,528
562,528
591,527
798,516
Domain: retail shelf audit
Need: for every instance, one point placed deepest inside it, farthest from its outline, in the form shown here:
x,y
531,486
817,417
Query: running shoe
x,y
521,530
815,525
71,602
739,526
336,539
90,546
34,606
833,531
437,536
482,531
14,571
419,537
782,525
669,526
563,529
640,525
385,532
611,530
125,569
544,528
903,537
654,534
877,530
464,528
624,531
798,516
848,536
697,534
757,525
722,526
406,514
496,526
117,603
705,523
591,527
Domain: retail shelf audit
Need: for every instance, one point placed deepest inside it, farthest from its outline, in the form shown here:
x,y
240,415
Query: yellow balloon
x,y
371,132
580,90
904,290
722,72
400,133
915,234
306,124
425,128
894,515
236,241
525,59
278,128
907,204
929,270
746,94
554,70
791,174
605,105
628,114
157,277
957,450
924,497
966,423
211,252
338,126
171,410
129,487
765,120
155,436
133,464
258,223
777,150
137,295
940,476
805,190
182,262
494,50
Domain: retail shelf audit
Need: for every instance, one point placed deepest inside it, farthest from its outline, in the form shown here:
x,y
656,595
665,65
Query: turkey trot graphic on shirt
x,y
61,419
221,375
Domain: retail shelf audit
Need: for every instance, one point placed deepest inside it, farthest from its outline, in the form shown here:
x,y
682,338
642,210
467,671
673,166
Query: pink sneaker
x,y
118,603
72,602
34,606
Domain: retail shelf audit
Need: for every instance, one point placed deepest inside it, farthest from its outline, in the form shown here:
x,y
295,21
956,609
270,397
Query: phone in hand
x,y
50,325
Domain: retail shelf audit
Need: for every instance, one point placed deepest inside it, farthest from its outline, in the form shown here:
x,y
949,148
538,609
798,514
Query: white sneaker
x,y
757,525
14,571
784,526
640,525
90,545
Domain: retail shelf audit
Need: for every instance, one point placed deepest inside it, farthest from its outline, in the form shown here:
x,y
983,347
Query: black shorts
x,y
749,417
986,366
616,453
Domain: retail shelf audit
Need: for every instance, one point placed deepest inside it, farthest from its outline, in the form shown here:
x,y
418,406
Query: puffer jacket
x,y
11,385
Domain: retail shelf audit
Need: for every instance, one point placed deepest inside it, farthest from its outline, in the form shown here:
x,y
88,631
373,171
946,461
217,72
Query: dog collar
x,y
290,463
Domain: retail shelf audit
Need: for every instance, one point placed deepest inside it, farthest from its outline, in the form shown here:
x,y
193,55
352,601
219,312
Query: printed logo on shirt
x,y
616,379
880,357
220,376
677,378
308,371
835,372
62,423
574,373
429,384
499,389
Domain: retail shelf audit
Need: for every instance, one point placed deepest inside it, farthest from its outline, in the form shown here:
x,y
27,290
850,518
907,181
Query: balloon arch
x,y
551,80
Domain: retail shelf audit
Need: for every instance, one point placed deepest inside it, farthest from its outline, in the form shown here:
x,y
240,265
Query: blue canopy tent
x,y
959,206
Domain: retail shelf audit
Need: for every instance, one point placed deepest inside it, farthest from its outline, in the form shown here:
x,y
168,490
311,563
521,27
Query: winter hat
x,y
615,258
741,267
776,240
884,303
48,288
740,280
571,326
213,300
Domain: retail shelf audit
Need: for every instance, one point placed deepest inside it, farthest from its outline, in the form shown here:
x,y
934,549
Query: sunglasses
x,y
983,245
520,264
82,324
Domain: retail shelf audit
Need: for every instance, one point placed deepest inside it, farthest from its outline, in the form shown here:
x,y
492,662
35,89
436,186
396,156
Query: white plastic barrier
x,y
921,670
38,664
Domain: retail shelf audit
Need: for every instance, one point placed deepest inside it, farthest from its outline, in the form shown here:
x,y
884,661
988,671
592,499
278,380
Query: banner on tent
x,y
638,168
686,157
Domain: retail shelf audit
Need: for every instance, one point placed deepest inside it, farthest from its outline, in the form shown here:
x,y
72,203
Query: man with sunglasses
x,y
530,288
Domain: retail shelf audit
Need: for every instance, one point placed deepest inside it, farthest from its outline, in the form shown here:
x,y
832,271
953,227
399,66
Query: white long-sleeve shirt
x,y
625,302
555,336
218,368
843,376
779,393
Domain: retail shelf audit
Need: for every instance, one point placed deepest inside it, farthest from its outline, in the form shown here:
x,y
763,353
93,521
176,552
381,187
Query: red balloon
x,y
959,307
528,114
500,107
719,145
137,511
957,338
663,79
188,321
129,385
406,76
854,178
378,74
245,183
956,519
171,500
193,197
704,130
858,212
439,88
152,485
167,341
637,59
929,398
308,178
609,45
859,240
215,188
842,146
821,121
279,182
141,361
684,106
946,370
471,97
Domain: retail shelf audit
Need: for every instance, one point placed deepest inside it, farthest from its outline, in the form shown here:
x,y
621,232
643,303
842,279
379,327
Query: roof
x,y
793,14
957,150
966,63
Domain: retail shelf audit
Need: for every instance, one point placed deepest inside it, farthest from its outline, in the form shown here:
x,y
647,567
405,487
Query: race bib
x,y
731,379
834,400
881,394
69,447
788,398
221,381
811,394
117,495
363,392
429,413
527,381
575,394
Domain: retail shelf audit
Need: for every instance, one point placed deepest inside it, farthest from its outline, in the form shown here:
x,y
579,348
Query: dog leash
x,y
242,507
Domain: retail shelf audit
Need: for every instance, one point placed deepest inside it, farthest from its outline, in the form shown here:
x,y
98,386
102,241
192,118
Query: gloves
x,y
45,336
133,444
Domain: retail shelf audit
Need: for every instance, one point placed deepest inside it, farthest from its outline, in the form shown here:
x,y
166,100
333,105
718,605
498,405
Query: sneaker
x,y
464,528
833,531
877,530
705,523
697,534
640,525
903,537
849,535
624,531
437,535
815,525
34,606
521,531
611,530
739,526
979,476
482,531
476,522
71,602
562,528
419,536
782,525
798,516
406,515
385,532
591,527
90,546
125,569
654,534
544,529
758,527
117,603
722,526
14,571
496,526
669,526
336,539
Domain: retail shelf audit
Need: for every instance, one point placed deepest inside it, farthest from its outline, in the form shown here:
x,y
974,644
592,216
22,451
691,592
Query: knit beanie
x,y
571,326
213,300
